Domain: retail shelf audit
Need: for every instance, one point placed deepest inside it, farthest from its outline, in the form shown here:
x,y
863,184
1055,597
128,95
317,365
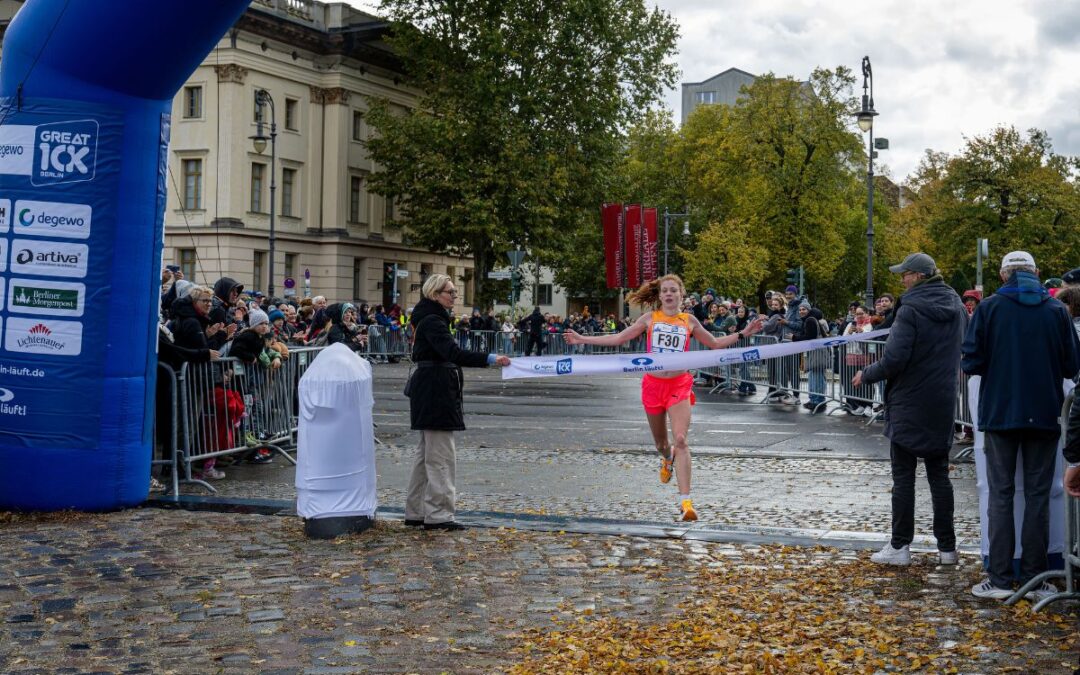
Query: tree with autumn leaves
x,y
1005,186
778,180
520,110
772,182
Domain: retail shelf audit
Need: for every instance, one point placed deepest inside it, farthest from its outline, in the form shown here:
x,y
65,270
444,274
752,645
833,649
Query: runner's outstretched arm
x,y
712,342
635,329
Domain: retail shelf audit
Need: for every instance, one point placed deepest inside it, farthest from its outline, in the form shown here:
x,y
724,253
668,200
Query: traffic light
x,y
388,274
793,277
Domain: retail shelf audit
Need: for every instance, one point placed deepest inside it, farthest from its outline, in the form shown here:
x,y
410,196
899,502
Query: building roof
x,y
720,74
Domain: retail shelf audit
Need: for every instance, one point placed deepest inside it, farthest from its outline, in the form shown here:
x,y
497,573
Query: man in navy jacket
x,y
1021,341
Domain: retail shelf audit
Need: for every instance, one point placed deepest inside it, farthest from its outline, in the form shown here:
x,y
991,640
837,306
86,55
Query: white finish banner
x,y
549,366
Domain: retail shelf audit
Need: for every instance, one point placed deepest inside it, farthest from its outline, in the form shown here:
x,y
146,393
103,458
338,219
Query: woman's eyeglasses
x,y
451,293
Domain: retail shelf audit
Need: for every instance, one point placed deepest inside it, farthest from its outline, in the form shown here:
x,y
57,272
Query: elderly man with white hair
x,y
1022,343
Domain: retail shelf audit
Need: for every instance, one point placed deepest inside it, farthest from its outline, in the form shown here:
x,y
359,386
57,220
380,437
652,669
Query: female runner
x,y
668,393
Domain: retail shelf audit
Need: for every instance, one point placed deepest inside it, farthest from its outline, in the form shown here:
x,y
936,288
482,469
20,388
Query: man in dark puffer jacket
x,y
921,380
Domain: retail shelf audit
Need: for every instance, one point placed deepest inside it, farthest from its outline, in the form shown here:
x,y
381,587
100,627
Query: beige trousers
x,y
431,487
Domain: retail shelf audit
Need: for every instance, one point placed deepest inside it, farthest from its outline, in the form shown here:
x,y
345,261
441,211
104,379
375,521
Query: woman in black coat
x,y
436,405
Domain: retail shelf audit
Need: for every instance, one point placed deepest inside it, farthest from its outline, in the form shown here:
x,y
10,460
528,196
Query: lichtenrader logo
x,y
40,336
44,336
65,152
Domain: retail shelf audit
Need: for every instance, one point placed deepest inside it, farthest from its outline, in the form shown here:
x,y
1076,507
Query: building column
x,y
232,127
336,157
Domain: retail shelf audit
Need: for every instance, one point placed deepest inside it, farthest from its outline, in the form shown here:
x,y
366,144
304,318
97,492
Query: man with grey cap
x,y
921,379
1022,343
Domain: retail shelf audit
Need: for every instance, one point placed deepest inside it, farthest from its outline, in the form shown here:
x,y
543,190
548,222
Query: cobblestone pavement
x,y
580,447
151,591
773,492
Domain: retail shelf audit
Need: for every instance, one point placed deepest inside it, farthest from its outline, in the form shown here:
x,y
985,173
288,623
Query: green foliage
x,y
520,108
727,256
1007,187
783,157
772,182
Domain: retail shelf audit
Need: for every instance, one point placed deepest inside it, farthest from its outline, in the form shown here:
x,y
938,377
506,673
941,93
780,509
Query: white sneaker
x,y
948,557
213,474
892,556
987,589
1042,592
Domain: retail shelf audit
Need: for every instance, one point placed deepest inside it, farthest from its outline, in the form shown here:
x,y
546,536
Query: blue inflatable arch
x,y
85,94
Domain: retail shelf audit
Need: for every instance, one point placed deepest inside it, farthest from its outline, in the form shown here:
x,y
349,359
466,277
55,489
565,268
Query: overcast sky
x,y
942,71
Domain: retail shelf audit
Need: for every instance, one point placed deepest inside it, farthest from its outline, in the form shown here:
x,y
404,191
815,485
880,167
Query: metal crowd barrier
x,y
227,407
823,375
1072,541
386,344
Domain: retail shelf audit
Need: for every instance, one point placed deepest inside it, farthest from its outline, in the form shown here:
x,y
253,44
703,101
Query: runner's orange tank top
x,y
668,333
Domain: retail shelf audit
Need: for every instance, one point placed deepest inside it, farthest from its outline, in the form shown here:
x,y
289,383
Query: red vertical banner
x,y
652,251
612,223
633,245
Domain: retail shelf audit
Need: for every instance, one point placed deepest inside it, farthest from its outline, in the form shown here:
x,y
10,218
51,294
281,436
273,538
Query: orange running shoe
x,y
688,512
667,469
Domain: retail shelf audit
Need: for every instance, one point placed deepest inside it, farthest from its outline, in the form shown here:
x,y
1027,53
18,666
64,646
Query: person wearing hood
x,y
817,359
342,316
226,293
921,381
436,407
1023,345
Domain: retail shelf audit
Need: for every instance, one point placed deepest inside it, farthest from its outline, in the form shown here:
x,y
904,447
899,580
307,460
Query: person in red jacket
x,y
221,425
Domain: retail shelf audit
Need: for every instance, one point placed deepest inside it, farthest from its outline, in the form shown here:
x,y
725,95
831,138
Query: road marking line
x,y
724,431
828,433
776,433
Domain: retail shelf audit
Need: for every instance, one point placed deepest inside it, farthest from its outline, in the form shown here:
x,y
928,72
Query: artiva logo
x,y
52,257
40,336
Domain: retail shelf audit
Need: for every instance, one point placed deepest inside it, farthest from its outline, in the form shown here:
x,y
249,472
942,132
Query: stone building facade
x,y
320,63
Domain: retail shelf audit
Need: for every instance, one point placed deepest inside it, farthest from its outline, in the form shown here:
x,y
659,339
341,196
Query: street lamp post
x,y
865,118
667,224
262,97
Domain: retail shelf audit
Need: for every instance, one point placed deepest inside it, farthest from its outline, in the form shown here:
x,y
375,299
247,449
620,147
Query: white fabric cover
x,y
1056,542
335,450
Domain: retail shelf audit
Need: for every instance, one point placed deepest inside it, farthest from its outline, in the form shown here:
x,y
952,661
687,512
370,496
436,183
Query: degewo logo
x,y
65,152
564,366
53,219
